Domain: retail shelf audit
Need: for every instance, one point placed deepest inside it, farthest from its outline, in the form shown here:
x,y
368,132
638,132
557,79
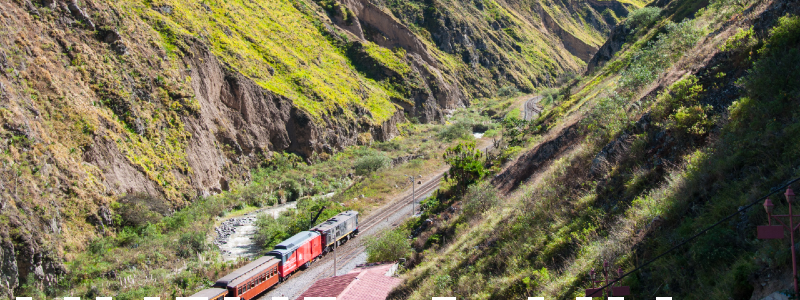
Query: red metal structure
x,y
297,251
776,232
613,291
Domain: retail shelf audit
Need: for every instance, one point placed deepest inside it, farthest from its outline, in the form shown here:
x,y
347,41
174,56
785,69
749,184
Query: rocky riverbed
x,y
236,236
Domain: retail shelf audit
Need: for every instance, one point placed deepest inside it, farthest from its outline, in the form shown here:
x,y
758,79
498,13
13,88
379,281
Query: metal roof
x,y
245,277
223,282
298,239
335,220
366,283
210,293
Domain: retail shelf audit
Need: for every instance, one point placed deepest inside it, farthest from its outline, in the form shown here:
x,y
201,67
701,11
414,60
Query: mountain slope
x,y
179,99
689,120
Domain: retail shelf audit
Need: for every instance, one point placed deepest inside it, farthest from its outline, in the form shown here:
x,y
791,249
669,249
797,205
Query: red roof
x,y
360,284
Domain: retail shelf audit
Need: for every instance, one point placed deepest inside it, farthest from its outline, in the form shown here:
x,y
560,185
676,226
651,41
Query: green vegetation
x,y
643,18
281,47
651,170
391,245
466,164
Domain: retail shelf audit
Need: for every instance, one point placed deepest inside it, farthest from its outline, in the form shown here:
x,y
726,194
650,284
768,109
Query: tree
x,y
466,165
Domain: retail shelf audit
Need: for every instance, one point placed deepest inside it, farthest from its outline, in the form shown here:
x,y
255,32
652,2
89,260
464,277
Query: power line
x,y
740,210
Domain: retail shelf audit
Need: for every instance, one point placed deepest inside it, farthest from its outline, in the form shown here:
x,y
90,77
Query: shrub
x,y
371,163
191,243
455,131
643,18
392,245
388,146
140,209
778,71
479,198
507,91
657,55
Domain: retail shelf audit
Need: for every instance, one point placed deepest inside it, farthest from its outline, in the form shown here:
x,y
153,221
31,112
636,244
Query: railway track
x,y
383,215
351,249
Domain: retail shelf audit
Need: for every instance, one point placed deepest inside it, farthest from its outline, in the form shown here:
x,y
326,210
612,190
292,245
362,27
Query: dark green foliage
x,y
643,18
457,130
466,164
392,245
659,54
478,199
371,163
777,74
140,209
507,91
516,130
191,243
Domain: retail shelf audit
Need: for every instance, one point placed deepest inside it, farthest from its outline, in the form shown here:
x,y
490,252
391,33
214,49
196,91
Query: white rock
x,y
776,296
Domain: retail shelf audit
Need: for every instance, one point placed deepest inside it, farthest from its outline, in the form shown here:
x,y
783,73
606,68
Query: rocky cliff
x,y
179,99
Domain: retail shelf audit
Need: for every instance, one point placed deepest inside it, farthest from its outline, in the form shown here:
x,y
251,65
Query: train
x,y
295,253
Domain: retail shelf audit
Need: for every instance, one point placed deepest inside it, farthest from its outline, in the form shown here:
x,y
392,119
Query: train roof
x,y
247,276
342,216
223,282
210,293
295,241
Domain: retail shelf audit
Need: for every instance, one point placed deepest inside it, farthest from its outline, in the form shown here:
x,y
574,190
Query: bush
x,y
643,18
479,198
390,246
657,55
388,146
507,91
371,163
140,209
466,164
191,243
455,131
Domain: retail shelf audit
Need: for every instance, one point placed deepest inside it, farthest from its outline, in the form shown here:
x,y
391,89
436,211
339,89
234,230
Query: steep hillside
x,y
178,100
685,118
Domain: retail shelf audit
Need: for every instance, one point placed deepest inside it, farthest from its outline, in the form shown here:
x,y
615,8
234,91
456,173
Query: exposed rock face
x,y
437,92
573,44
387,31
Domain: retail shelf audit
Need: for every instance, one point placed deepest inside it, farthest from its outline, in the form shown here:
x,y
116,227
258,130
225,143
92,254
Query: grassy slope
x,y
280,47
130,262
704,154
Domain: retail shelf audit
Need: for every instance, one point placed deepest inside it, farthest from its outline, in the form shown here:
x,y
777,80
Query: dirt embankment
x,y
536,159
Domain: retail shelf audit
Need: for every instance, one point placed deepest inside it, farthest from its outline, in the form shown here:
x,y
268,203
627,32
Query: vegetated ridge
x,y
180,99
683,116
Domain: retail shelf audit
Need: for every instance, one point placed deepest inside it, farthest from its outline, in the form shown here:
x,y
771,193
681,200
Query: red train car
x,y
253,279
297,251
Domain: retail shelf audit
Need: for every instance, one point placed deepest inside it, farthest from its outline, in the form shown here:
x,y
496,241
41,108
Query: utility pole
x,y
413,192
334,263
776,232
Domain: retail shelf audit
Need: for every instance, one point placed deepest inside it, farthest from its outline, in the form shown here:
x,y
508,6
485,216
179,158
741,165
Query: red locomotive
x,y
297,251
